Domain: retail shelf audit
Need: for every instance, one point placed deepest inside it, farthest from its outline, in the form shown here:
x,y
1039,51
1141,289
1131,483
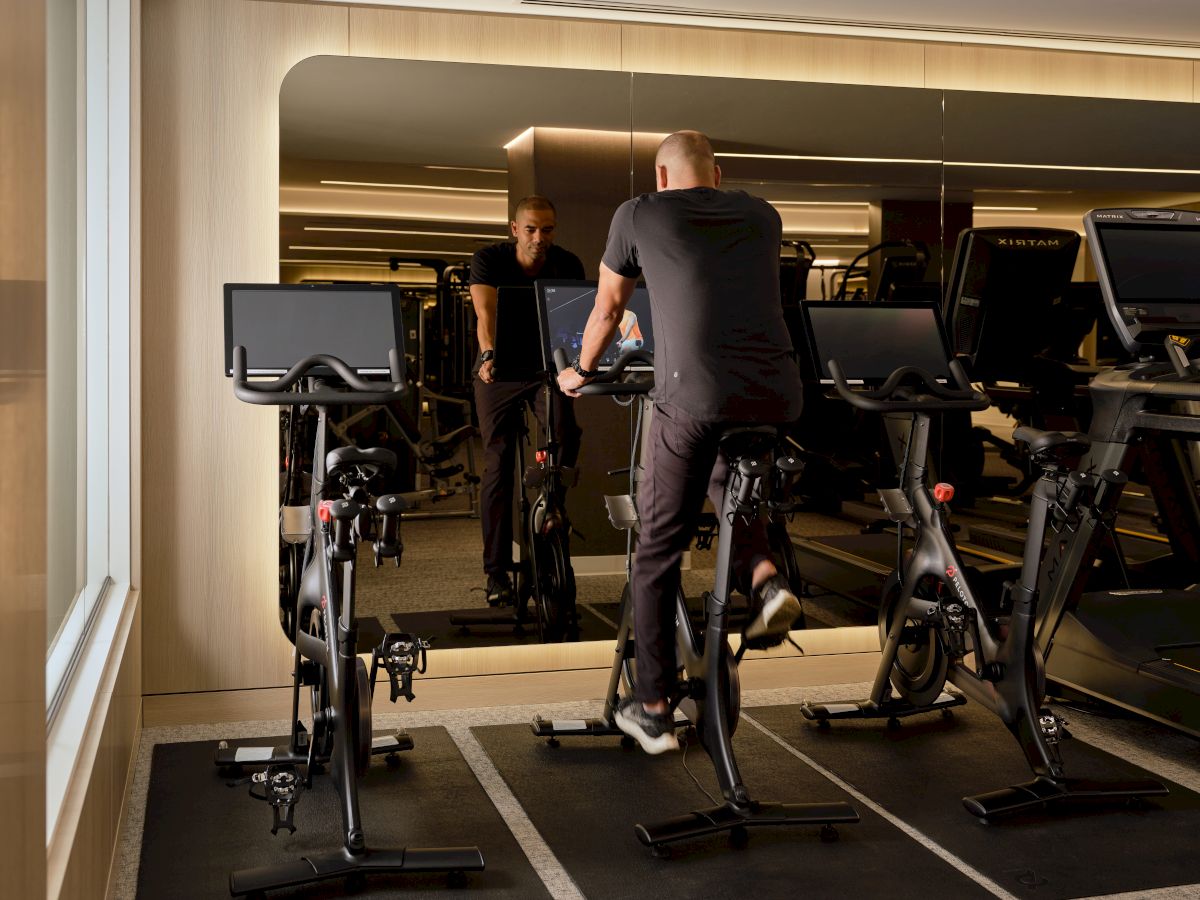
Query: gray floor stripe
x,y
560,885
599,615
929,844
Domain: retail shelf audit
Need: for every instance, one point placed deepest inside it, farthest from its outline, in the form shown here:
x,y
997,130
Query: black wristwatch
x,y
487,356
581,371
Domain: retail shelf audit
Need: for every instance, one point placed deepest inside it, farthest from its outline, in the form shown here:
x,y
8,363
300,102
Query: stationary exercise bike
x,y
544,578
932,628
708,691
323,626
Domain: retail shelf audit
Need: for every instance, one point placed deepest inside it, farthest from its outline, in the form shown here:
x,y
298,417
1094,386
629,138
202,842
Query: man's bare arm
x,y
483,298
612,297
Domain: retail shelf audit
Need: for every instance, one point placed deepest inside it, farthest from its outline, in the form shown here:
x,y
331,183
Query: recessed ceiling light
x,y
416,187
494,237
467,169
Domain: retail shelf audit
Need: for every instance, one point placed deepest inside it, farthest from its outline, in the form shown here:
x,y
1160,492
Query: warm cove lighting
x,y
528,130
363,264
860,203
376,250
1124,169
493,237
467,169
416,187
1006,209
855,159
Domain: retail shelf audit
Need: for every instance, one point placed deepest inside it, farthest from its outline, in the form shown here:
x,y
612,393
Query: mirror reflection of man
x,y
500,402
723,356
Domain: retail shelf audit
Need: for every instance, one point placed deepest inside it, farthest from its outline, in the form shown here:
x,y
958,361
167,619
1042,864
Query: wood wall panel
x,y
756,54
1019,71
506,40
23,447
210,138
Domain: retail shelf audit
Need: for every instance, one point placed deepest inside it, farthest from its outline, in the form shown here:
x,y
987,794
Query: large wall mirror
x,y
397,171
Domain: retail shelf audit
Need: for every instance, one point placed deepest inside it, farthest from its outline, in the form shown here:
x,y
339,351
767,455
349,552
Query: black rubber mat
x,y
436,624
585,796
197,828
921,771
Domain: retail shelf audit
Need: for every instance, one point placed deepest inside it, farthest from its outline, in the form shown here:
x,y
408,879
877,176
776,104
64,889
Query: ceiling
x,y
425,143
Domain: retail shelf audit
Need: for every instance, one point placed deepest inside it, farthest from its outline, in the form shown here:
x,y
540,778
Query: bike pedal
x,y
402,655
281,789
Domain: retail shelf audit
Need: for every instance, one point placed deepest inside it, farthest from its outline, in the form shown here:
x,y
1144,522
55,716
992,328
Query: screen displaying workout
x,y
1156,264
565,307
872,340
279,325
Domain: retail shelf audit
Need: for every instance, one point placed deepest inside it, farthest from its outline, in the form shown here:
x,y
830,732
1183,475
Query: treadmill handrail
x,y
279,392
896,395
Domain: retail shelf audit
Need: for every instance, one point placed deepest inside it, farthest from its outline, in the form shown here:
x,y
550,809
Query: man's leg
x,y
773,605
679,457
498,406
566,428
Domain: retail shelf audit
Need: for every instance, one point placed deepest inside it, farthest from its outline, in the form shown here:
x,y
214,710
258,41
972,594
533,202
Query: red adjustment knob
x,y
540,456
323,511
942,492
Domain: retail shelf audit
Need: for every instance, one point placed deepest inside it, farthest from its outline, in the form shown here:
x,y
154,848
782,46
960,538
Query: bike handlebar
x,y
279,392
897,396
608,383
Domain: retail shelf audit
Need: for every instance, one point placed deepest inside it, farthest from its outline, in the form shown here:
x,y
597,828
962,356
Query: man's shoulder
x,y
562,254
496,251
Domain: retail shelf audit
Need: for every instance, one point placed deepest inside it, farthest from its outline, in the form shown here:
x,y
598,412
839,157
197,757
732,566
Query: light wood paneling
x,y
1018,71
23,447
210,153
465,37
271,704
1196,82
757,54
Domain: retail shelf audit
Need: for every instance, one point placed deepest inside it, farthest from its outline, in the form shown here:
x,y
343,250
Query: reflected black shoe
x,y
499,591
654,731
778,609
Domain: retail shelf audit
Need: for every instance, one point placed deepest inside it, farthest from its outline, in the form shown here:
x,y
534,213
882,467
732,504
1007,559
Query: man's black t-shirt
x,y
722,352
518,340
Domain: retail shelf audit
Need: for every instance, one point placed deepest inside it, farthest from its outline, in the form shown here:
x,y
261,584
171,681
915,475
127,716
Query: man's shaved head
x,y
688,160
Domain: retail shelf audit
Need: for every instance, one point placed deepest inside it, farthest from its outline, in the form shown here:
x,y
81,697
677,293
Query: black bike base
x,y
343,864
505,616
894,708
551,728
1043,793
386,742
728,817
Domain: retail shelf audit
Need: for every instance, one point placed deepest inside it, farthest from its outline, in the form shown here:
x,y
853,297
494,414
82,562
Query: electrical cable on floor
x,y
691,775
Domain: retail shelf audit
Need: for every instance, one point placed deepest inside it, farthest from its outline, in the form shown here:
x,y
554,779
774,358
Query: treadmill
x,y
1137,646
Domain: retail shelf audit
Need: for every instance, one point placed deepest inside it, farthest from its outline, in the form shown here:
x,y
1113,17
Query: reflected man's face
x,y
534,231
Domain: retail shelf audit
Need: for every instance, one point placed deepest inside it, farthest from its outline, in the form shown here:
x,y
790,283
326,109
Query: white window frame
x,y
81,653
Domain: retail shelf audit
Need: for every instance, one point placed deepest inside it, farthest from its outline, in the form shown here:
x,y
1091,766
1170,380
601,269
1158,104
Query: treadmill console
x,y
1148,265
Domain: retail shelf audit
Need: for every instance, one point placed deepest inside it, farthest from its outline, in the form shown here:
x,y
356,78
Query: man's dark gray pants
x,y
682,464
500,407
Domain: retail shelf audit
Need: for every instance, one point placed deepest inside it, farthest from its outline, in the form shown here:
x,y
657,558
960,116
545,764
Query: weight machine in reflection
x,y
434,421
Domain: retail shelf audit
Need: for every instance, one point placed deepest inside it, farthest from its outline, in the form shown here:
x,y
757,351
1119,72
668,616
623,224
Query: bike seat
x,y
379,457
442,447
1040,441
738,442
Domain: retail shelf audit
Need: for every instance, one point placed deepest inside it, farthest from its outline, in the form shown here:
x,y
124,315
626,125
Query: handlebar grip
x,y
611,382
279,393
932,396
